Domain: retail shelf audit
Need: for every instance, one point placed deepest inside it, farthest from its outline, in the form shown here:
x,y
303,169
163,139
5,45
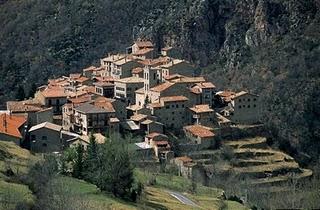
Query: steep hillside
x,y
268,46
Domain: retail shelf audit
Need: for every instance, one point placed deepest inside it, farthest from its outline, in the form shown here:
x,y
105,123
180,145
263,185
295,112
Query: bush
x,y
227,152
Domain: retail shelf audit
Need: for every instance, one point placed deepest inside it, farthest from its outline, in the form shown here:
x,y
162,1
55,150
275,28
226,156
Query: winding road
x,y
183,199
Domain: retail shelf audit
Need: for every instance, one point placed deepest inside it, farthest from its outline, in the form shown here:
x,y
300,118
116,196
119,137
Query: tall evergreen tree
x,y
91,163
79,162
20,95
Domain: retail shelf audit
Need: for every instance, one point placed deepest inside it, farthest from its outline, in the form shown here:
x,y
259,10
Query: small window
x,y
44,138
248,106
248,99
182,105
33,137
240,100
172,112
167,107
254,105
44,145
239,107
254,99
172,105
177,105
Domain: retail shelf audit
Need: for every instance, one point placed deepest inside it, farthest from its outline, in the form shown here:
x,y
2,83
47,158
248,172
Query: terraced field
x,y
255,161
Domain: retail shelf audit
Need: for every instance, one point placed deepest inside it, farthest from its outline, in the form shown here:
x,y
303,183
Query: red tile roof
x,y
173,98
105,104
205,85
24,106
81,99
162,87
82,79
10,124
144,44
90,68
201,108
199,130
54,92
143,51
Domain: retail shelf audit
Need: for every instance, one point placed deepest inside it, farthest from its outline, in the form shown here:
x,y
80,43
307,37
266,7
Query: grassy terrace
x,y
155,196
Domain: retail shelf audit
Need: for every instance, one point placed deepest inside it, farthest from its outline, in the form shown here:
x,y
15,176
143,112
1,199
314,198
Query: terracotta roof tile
x,y
90,68
206,85
10,124
82,79
153,134
143,51
202,108
173,98
144,44
199,130
54,92
138,117
161,87
24,106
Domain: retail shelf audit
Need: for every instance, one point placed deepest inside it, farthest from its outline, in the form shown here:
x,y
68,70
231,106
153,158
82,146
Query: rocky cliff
x,y
270,47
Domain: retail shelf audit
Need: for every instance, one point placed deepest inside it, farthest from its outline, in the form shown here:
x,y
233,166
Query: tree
x,y
79,162
20,95
91,160
115,172
33,90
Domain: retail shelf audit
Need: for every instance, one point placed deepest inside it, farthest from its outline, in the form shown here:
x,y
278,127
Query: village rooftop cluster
x,y
144,92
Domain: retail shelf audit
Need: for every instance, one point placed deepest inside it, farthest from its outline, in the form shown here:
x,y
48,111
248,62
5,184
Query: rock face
x,y
268,46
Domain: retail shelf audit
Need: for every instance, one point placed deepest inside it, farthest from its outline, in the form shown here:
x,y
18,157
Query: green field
x,y
88,196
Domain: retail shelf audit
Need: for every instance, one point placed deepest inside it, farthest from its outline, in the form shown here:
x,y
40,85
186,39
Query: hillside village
x,y
155,96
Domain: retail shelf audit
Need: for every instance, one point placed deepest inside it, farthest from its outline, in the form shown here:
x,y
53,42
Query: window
x,y
172,105
254,105
240,100
248,99
49,102
172,112
177,105
248,106
44,145
44,138
239,107
254,99
33,137
182,105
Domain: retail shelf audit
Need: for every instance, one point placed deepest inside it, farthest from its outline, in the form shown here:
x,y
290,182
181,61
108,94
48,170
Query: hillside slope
x,y
270,47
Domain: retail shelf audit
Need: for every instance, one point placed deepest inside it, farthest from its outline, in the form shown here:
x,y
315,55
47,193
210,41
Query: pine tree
x,y
91,160
78,165
20,95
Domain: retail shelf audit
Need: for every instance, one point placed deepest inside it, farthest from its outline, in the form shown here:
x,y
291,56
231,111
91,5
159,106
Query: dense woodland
x,y
270,47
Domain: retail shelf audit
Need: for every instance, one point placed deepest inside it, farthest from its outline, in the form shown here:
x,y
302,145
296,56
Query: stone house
x,y
247,108
107,63
105,89
141,45
123,68
201,115
48,137
177,66
170,111
185,165
54,97
205,91
90,118
36,113
12,128
125,89
200,135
